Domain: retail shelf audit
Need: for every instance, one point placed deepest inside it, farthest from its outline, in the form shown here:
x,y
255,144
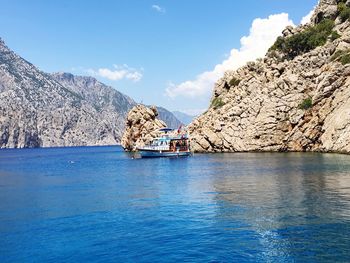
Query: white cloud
x,y
263,33
158,8
306,19
117,73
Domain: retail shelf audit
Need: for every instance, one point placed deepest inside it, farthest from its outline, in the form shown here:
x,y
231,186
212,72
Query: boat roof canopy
x,y
166,130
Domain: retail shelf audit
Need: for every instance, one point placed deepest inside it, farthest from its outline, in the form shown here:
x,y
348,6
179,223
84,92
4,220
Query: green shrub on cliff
x,y
234,82
334,35
217,103
345,59
304,41
344,11
343,56
306,104
278,45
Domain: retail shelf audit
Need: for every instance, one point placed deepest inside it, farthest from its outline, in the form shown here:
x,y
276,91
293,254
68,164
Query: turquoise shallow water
x,y
96,204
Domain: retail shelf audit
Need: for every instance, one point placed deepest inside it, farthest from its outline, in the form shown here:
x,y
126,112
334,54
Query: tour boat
x,y
167,145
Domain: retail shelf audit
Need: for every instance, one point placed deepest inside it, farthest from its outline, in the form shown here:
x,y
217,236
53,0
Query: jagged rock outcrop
x,y
325,9
141,127
42,110
277,104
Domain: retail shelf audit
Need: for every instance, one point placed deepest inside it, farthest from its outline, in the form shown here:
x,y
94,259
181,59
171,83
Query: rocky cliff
x,y
297,98
142,125
42,110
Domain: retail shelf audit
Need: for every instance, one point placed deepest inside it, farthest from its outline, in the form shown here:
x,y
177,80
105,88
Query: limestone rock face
x,y
260,103
325,9
142,126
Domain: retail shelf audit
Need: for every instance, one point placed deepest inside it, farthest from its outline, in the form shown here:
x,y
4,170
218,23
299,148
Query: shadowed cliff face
x,y
286,101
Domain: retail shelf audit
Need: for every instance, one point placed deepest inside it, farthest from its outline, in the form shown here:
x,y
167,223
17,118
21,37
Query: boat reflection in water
x,y
169,144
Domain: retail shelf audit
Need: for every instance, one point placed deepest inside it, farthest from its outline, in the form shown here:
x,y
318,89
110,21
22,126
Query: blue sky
x,y
145,49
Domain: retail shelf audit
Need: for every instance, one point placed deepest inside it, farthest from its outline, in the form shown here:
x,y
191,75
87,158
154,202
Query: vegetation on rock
x,y
335,35
343,56
217,103
344,11
234,82
306,104
304,41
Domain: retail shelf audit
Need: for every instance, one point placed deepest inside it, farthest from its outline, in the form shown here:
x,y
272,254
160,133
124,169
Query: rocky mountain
x,y
101,96
169,118
43,110
183,117
36,110
142,125
104,97
297,98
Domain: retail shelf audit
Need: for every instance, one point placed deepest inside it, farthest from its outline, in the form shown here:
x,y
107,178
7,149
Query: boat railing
x,y
156,148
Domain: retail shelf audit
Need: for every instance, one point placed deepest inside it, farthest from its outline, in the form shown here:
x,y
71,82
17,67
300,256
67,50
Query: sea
x,y
100,204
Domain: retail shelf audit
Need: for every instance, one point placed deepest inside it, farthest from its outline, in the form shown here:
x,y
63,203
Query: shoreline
x,y
119,145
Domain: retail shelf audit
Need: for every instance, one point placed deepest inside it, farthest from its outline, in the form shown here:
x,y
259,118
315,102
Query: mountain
x,y
183,117
169,118
38,109
297,98
103,98
107,99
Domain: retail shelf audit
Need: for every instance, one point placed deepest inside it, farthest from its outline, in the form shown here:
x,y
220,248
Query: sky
x,y
167,53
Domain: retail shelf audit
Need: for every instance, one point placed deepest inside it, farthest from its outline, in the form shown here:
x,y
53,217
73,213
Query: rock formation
x,y
297,98
42,110
142,126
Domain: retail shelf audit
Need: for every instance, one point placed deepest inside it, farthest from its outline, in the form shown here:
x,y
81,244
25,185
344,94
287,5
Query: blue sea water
x,y
97,204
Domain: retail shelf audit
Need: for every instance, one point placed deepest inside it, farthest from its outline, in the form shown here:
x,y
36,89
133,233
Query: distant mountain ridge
x,y
183,117
169,118
38,109
105,97
98,94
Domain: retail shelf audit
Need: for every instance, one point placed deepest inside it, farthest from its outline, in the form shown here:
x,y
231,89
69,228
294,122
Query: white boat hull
x,y
157,154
